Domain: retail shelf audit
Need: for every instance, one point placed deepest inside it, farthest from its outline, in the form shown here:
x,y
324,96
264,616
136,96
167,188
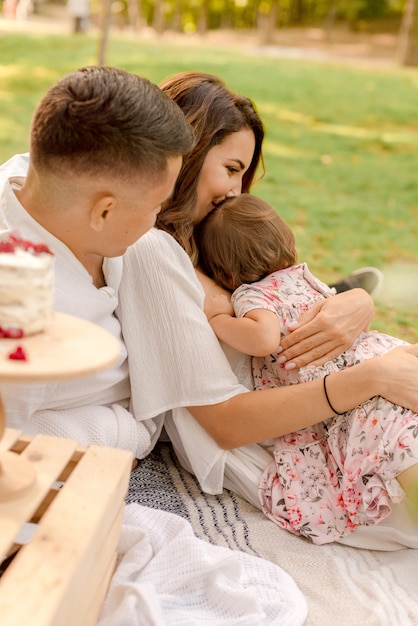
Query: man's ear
x,y
101,211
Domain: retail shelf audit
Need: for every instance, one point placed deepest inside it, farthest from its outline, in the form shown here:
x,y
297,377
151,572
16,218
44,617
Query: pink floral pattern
x,y
328,479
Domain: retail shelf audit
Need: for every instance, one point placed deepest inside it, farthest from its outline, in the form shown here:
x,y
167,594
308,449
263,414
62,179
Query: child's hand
x,y
217,304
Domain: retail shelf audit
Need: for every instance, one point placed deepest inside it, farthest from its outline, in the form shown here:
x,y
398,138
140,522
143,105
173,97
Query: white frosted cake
x,y
26,287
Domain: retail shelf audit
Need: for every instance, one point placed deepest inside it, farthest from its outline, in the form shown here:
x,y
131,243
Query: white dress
x,y
178,361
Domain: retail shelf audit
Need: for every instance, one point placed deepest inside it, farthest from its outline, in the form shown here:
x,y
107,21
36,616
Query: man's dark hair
x,y
105,120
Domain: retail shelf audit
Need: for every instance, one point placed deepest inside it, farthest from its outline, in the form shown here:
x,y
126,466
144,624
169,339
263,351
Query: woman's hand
x,y
328,328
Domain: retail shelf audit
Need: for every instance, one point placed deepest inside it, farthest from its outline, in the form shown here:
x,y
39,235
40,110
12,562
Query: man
x,y
106,147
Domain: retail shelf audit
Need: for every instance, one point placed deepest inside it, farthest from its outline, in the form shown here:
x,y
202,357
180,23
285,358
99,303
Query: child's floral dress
x,y
328,479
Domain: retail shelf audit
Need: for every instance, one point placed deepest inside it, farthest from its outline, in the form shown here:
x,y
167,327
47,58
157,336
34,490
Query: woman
x,y
212,418
217,115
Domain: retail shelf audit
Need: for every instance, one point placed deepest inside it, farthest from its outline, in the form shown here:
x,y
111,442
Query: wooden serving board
x,y
70,348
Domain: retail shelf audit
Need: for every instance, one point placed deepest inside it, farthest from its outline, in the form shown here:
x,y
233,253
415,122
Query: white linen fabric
x,y
166,575
165,331
342,585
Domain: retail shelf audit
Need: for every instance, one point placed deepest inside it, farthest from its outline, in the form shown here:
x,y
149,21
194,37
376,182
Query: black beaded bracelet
x,y
329,403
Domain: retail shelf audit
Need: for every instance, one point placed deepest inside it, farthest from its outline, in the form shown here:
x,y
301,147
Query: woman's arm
x,y
328,328
260,415
176,361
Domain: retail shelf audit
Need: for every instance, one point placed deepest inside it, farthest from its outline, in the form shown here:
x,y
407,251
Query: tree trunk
x,y
158,21
297,10
134,14
329,21
105,19
202,20
408,35
267,20
176,24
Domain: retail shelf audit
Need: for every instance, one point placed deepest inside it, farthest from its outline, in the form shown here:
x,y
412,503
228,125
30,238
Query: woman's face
x,y
222,172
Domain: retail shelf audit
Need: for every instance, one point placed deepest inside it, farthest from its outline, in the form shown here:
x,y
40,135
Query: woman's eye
x,y
232,170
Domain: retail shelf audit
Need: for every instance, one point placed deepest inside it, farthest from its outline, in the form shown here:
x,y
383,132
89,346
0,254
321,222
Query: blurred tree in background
x,y
202,15
408,38
268,16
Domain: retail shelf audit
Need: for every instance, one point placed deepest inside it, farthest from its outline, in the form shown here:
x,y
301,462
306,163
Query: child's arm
x,y
257,334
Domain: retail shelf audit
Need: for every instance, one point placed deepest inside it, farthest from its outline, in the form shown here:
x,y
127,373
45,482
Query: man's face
x,y
137,206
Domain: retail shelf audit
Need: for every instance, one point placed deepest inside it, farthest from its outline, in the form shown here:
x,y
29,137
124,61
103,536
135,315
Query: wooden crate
x,y
60,577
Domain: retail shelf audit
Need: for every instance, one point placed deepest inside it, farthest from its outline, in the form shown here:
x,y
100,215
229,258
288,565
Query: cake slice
x,y
26,286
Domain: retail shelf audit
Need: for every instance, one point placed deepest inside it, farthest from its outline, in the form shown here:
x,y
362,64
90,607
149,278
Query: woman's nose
x,y
235,190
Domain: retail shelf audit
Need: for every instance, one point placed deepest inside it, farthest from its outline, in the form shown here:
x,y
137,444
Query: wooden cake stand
x,y
70,348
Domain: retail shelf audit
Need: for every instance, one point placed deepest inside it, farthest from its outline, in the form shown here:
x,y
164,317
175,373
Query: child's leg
x,y
409,483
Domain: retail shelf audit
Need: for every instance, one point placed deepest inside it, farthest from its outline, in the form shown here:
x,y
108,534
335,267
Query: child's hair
x,y
243,240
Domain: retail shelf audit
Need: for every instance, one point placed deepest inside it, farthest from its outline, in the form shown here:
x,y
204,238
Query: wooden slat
x,y
92,590
72,463
55,565
49,456
21,443
45,504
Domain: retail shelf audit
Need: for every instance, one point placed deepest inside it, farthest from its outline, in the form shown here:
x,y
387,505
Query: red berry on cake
x,y
11,333
18,355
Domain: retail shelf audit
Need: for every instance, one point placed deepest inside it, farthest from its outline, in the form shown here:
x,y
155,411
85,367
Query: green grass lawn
x,y
341,150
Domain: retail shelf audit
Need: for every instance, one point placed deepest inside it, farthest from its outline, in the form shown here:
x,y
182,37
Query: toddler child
x,y
329,478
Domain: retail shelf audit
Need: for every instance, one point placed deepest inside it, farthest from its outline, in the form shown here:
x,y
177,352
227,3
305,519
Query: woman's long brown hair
x,y
214,113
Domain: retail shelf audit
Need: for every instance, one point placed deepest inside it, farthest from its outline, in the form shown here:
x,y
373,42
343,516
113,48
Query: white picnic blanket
x,y
167,576
342,585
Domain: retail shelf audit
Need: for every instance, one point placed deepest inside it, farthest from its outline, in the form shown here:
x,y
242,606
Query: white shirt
x,y
93,409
